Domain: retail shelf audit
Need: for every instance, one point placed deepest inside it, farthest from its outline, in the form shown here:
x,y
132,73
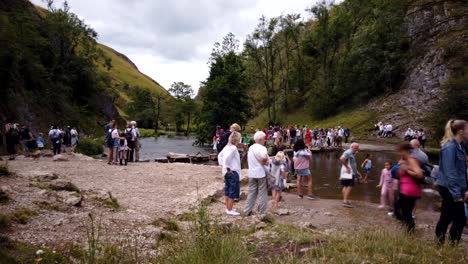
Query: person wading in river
x,y
348,172
452,181
229,159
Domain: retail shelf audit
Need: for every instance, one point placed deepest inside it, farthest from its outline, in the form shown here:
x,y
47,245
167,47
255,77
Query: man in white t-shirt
x,y
257,159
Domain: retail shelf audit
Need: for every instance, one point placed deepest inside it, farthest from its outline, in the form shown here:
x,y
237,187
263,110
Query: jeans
x,y
57,148
257,187
451,212
404,210
131,145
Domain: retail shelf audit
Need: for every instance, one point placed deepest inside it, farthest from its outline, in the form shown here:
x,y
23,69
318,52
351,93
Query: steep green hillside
x,y
53,71
125,78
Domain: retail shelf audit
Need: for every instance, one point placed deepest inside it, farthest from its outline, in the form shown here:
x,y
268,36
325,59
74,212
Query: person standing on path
x,y
112,141
74,139
257,158
347,133
11,138
410,188
55,137
229,159
348,160
137,143
452,181
130,136
25,137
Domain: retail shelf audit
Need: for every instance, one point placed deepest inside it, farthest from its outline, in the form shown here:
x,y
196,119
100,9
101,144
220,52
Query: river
x,y
325,168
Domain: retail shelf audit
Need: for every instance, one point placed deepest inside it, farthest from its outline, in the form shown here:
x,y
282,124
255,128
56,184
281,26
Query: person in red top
x,y
308,137
410,189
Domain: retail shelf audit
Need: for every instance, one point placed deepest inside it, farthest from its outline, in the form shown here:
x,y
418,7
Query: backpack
x,y
129,135
109,140
223,140
55,136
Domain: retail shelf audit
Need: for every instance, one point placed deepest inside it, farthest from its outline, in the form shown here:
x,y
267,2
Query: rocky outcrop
x,y
433,26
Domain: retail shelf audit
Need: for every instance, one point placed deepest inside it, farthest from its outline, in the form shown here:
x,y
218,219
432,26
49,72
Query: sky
x,y
171,40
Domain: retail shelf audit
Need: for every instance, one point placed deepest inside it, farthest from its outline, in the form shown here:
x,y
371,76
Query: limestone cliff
x,y
433,27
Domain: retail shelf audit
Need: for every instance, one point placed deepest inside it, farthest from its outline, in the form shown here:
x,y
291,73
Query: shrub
x,y
4,170
23,215
112,202
172,225
90,147
4,197
5,221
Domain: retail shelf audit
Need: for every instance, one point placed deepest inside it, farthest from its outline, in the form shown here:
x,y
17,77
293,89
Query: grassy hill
x,y
125,77
124,74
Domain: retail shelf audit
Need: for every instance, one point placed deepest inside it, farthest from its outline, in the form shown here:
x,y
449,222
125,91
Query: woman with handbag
x,y
452,180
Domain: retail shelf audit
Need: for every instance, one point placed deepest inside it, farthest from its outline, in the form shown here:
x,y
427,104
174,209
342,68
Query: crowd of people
x,y
20,139
121,146
419,135
384,130
287,136
400,181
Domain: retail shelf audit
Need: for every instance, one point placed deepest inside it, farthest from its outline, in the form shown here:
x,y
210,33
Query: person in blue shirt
x,y
452,181
40,141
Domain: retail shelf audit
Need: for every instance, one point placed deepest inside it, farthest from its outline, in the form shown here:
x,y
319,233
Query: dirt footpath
x,y
145,192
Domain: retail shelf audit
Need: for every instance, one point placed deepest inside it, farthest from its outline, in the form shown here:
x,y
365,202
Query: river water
x,y
325,168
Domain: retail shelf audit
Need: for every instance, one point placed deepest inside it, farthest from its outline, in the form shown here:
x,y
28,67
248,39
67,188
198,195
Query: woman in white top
x,y
229,159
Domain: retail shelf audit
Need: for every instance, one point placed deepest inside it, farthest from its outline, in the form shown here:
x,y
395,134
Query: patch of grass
x,y
165,237
4,197
383,246
112,202
5,221
172,225
4,170
90,147
47,206
187,217
23,215
170,135
268,219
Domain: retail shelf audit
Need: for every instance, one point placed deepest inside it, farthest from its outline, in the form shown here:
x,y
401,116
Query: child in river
x,y
278,170
386,185
367,166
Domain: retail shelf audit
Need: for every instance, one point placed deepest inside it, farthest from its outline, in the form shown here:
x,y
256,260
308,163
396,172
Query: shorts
x,y
347,182
303,172
232,185
367,170
74,141
116,143
292,141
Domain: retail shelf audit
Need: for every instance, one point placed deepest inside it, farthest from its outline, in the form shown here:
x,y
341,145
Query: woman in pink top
x,y
386,185
410,189
301,159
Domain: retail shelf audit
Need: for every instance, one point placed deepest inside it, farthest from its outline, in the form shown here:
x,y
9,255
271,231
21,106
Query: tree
x,y
224,97
145,107
263,50
184,105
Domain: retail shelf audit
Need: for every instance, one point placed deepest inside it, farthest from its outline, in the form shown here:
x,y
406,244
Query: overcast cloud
x,y
172,40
